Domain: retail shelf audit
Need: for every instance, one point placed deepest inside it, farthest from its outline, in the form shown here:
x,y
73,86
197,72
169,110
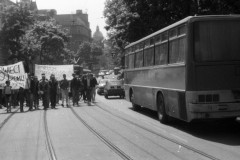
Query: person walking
x,y
28,92
35,92
75,89
44,91
93,90
84,89
7,92
21,97
88,84
64,86
53,84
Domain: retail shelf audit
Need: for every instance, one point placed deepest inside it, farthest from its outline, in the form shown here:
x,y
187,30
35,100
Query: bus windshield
x,y
217,41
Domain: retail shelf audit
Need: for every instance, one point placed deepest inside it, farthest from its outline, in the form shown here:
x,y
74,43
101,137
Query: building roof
x,y
70,19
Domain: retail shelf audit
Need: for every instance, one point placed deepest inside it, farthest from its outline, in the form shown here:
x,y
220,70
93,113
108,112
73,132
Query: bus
x,y
188,70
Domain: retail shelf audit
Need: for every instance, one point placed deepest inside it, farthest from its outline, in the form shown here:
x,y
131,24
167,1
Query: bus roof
x,y
187,19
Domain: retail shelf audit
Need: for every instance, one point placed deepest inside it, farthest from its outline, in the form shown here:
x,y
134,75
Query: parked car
x,y
101,85
114,87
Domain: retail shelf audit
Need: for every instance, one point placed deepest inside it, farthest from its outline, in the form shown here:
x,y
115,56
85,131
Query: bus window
x,y
177,47
151,41
217,41
147,43
131,61
148,56
173,34
157,39
182,48
182,30
161,54
139,59
126,61
164,37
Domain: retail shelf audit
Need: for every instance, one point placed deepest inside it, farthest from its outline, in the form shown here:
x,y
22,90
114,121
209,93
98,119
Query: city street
x,y
111,130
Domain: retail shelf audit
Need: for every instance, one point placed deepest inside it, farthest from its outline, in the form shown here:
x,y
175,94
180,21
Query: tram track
x,y
7,119
162,136
49,144
113,147
129,140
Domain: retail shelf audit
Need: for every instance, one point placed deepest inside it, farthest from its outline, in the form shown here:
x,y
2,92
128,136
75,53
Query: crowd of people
x,y
50,91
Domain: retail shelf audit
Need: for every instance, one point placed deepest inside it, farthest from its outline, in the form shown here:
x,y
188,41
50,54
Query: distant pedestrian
x,y
64,85
75,89
1,99
14,97
35,93
88,85
21,97
44,91
84,89
94,83
7,92
31,92
53,84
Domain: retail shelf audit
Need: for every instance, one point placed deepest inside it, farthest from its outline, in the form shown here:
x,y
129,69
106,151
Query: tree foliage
x,y
130,20
89,52
15,21
47,40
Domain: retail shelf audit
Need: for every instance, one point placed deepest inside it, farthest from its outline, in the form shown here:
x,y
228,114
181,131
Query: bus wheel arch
x,y
135,106
161,108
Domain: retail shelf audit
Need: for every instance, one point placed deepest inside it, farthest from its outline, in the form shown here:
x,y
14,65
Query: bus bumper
x,y
214,111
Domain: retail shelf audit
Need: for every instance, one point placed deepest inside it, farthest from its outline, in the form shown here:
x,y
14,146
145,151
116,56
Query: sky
x,y
94,8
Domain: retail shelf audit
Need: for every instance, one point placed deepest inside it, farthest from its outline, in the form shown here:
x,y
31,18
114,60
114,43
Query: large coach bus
x,y
188,70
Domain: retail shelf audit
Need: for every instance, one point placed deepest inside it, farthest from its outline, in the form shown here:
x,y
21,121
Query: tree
x,y
47,40
130,20
15,20
89,53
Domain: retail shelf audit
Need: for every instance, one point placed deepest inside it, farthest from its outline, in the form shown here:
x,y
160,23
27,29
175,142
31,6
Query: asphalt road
x,y
111,130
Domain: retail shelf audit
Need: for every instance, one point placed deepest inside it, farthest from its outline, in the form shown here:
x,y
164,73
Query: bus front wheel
x,y
135,106
162,116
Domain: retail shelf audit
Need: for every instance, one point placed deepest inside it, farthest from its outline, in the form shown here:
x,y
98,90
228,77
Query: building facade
x,y
78,26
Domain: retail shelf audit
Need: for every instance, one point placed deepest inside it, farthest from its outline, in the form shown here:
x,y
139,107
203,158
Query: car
x,y
101,85
114,87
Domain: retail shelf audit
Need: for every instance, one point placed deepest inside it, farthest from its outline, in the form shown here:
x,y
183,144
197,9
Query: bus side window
x,y
177,46
131,61
126,61
149,53
139,59
161,50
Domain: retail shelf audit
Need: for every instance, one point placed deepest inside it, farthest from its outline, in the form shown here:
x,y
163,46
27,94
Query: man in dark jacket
x,y
35,92
88,85
75,89
53,86
43,90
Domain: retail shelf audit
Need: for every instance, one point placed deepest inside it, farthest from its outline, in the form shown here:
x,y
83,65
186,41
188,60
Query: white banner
x,y
15,73
57,70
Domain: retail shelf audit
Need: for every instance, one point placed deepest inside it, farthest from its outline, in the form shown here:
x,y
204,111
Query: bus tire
x,y
135,106
106,96
162,115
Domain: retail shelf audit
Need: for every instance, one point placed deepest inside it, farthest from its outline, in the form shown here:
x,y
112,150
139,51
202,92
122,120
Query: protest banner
x,y
57,70
15,73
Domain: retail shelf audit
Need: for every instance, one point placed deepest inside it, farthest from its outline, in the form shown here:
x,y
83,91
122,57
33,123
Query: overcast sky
x,y
94,8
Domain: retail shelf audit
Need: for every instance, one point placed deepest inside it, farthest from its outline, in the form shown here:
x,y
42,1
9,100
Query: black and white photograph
x,y
120,80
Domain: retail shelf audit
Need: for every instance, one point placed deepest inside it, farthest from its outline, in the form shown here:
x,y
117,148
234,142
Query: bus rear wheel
x,y
162,116
135,106
106,95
